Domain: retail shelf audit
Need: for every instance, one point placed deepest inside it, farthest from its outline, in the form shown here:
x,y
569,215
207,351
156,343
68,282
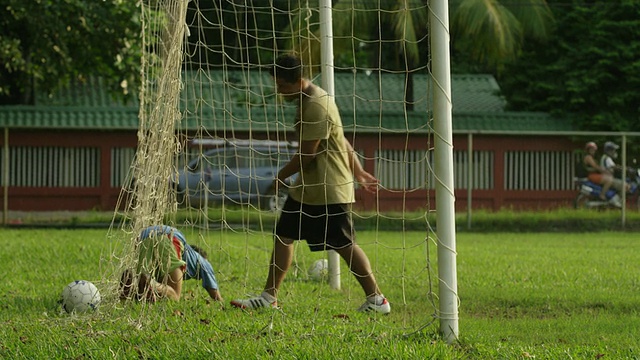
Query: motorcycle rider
x,y
598,174
607,161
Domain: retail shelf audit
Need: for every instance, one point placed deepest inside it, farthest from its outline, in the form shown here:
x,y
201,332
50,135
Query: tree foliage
x,y
589,71
46,44
235,32
492,32
375,34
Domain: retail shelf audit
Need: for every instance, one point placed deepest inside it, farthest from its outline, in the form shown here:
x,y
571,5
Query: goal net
x,y
214,132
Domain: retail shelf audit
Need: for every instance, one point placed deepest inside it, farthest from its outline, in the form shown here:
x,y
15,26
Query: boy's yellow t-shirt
x,y
328,178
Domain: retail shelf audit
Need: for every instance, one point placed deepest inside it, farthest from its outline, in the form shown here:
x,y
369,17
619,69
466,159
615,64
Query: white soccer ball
x,y
319,270
80,296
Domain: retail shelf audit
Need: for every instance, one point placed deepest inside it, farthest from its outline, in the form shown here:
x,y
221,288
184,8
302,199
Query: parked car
x,y
239,172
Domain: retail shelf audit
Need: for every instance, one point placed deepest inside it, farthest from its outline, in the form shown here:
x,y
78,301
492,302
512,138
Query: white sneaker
x,y
368,306
254,303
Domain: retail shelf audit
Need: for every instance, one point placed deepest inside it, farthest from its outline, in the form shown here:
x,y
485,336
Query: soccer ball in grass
x,y
80,296
319,270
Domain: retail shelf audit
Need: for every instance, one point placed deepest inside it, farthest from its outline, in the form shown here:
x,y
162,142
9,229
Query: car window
x,y
238,157
280,159
270,159
208,160
262,160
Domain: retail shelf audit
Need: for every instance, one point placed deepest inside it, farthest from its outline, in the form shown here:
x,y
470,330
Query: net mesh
x,y
212,127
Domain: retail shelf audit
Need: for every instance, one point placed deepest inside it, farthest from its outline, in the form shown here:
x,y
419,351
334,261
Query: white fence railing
x,y
539,170
53,166
524,170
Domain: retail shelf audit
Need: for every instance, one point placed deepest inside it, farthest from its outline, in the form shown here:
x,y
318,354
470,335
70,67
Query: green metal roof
x,y
72,117
510,121
246,100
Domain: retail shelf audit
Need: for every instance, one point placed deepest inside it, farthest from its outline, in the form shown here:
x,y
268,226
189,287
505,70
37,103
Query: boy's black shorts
x,y
324,227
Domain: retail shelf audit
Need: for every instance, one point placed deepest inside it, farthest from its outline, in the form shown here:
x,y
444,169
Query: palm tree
x,y
399,23
491,31
383,26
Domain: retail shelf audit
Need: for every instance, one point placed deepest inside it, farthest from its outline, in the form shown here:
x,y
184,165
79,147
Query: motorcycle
x,y
589,194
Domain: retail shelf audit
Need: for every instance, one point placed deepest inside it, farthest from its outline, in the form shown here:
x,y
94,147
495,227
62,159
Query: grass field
x,y
543,296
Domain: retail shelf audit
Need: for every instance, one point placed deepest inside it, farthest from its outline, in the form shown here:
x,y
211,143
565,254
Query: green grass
x,y
543,296
557,220
569,296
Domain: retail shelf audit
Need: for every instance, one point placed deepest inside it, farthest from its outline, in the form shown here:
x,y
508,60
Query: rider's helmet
x,y
590,145
610,149
610,146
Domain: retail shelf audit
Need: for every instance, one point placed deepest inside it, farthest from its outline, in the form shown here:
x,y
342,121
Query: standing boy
x,y
318,208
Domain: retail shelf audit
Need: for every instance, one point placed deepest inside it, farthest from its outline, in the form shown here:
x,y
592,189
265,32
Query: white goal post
x,y
326,38
445,199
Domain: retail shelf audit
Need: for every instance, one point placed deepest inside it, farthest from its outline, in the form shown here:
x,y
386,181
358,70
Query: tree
x,y
394,32
47,44
363,26
383,34
236,33
491,33
588,72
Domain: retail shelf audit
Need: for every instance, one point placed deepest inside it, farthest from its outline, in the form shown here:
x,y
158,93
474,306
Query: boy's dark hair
x,y
287,67
199,250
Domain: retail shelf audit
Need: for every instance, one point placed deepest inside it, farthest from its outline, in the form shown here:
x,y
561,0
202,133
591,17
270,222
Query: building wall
x,y
84,170
512,172
64,170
